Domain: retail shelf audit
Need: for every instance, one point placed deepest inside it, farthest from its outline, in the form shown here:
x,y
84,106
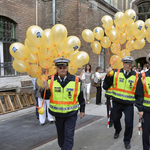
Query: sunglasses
x,y
62,67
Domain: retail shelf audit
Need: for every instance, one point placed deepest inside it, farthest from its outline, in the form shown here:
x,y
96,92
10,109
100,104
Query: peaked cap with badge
x,y
128,59
61,61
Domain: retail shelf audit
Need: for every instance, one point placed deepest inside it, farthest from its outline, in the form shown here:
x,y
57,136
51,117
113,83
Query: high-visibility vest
x,y
109,91
146,86
64,100
124,89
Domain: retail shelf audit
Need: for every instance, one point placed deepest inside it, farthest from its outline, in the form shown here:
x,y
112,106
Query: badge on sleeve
x,y
69,94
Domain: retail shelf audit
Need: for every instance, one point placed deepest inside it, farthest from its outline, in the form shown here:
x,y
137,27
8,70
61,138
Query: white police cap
x,y
61,61
148,57
128,59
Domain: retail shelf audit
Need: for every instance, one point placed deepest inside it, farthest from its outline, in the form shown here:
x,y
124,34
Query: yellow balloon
x,y
79,59
138,27
114,61
129,45
40,82
58,34
96,47
121,29
105,42
141,36
59,49
18,51
32,58
71,44
70,56
139,44
52,70
72,70
21,65
113,34
129,16
130,37
46,53
88,35
147,25
41,110
148,37
115,48
122,38
119,19
107,22
34,35
34,71
128,28
45,63
46,41
98,33
124,53
30,47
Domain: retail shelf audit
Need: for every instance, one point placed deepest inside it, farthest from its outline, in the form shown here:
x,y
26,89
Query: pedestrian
x,y
144,68
85,76
65,93
124,83
42,118
143,104
98,78
139,68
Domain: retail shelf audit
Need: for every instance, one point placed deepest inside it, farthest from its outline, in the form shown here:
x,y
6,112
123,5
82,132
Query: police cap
x,y
148,57
128,59
61,61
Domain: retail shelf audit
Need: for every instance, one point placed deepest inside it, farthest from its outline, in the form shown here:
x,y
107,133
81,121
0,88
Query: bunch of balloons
x,y
122,35
40,48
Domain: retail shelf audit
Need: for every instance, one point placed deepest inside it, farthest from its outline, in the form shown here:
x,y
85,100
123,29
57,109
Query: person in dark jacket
x,y
66,97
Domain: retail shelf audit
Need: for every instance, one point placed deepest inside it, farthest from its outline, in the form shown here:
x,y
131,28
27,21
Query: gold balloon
x,y
124,53
119,19
30,47
96,47
21,65
105,42
139,44
128,28
129,16
59,49
141,36
72,70
107,32
52,70
71,44
113,34
34,35
121,29
46,41
58,34
41,110
114,61
39,82
129,45
32,58
122,38
70,56
148,37
45,63
107,22
138,27
79,59
18,51
147,25
130,37
88,35
115,48
98,33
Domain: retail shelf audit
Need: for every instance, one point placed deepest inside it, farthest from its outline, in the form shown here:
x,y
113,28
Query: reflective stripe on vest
x,y
128,92
146,81
109,91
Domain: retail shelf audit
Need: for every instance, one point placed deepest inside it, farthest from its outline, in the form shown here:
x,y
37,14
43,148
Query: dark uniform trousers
x,y
146,131
128,111
65,131
109,108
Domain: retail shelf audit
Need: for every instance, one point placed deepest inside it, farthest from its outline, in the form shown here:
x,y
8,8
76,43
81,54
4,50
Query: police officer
x,y
124,83
143,104
66,96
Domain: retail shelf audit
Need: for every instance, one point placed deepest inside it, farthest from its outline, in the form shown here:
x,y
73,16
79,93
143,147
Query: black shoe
x,y
127,146
116,135
110,125
51,122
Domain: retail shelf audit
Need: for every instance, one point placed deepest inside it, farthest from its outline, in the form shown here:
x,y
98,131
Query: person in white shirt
x,y
144,68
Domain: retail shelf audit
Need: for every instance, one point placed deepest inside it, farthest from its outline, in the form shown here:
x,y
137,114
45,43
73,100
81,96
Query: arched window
x,y
7,37
143,11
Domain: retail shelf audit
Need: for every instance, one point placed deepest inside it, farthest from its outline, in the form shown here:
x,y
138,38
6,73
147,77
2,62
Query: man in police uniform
x,y
66,95
124,85
143,104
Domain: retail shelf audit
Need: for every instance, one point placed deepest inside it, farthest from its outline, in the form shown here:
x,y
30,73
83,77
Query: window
x,y
102,60
7,37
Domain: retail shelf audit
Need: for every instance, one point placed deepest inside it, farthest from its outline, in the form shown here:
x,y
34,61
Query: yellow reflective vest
x,y
146,86
109,91
64,100
124,89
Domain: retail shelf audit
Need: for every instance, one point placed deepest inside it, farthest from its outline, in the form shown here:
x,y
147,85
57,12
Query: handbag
x,y
93,83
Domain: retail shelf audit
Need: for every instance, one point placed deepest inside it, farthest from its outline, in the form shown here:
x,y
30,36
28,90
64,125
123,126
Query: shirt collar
x,y
127,72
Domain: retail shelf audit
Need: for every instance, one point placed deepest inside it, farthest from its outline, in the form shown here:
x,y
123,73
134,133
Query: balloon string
x,y
56,51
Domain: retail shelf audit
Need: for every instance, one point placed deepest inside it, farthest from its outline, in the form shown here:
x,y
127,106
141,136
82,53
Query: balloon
x,y
138,27
130,37
124,53
34,35
107,32
39,82
105,42
21,65
122,38
58,34
96,47
129,16
147,25
70,56
114,61
119,19
115,48
148,37
30,47
52,70
129,45
79,59
128,28
71,44
32,58
35,71
18,51
72,70
41,110
121,29
98,33
117,39
46,41
45,63
139,44
88,35
107,22
141,36
113,34
59,49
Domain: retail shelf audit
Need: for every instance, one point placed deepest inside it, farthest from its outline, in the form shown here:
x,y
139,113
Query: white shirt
x,y
97,76
144,70
33,81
